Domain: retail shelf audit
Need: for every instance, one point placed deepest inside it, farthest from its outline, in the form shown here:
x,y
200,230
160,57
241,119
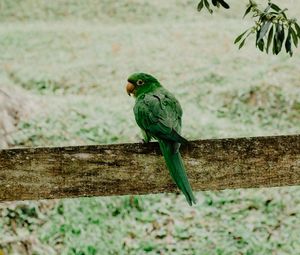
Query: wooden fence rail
x,y
121,169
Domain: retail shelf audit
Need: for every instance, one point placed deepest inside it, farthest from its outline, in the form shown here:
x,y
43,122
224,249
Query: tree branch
x,y
120,169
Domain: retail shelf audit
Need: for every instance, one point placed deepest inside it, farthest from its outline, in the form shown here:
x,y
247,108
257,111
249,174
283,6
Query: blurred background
x,y
64,65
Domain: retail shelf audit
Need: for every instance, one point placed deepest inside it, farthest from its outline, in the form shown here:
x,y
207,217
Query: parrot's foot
x,y
145,141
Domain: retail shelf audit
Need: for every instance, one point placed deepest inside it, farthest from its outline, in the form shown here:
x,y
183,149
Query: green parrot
x,y
158,113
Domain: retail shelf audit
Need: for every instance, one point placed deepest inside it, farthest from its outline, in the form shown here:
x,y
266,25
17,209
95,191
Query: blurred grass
x,y
74,58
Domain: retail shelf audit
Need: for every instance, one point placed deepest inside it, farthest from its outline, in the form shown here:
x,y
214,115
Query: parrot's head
x,y
141,83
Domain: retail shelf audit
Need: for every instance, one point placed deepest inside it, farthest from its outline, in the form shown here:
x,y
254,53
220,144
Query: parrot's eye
x,y
139,82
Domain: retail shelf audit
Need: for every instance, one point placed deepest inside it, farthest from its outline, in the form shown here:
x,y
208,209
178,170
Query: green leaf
x,y
200,5
261,44
214,2
264,29
270,37
275,43
284,15
240,37
257,36
91,250
297,29
288,44
247,10
267,9
275,49
294,36
275,7
242,43
224,4
206,3
279,36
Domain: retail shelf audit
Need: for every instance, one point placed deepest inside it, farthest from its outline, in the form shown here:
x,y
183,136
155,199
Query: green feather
x,y
158,113
177,171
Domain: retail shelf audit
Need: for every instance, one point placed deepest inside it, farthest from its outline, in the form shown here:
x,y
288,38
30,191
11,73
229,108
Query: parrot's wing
x,y
160,115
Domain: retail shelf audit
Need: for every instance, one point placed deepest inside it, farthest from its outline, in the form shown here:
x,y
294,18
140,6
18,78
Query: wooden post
x,y
121,169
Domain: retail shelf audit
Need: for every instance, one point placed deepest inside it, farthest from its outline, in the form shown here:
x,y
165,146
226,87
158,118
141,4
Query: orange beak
x,y
130,88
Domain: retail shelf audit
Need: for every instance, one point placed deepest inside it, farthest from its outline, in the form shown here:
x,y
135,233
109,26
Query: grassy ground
x,y
73,57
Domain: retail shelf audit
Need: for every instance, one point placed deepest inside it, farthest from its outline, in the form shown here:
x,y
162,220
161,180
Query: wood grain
x,y
121,169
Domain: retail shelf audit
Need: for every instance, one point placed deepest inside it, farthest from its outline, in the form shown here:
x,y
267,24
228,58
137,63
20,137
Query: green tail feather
x,y
176,168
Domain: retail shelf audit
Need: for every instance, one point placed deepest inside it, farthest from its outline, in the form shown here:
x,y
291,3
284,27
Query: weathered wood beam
x,y
120,169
